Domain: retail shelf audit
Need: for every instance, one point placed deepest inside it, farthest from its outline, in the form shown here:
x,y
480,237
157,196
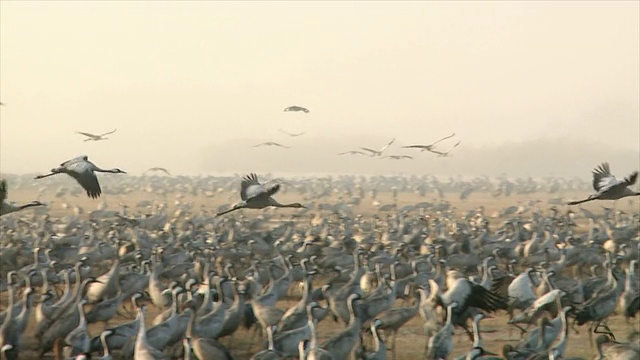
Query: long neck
x,y
313,341
306,295
376,337
83,320
33,203
45,280
562,343
114,171
291,205
187,349
449,316
477,340
142,330
105,345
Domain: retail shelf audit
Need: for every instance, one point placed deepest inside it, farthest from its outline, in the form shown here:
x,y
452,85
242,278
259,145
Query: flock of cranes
x,y
379,153
321,283
328,284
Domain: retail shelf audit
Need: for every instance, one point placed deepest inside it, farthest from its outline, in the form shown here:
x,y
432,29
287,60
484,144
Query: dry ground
x,y
410,341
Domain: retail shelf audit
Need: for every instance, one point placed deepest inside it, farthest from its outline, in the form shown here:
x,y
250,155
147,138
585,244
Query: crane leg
x,y
605,327
522,331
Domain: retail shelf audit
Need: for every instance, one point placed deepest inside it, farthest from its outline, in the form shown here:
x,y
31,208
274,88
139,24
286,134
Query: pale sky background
x,y
531,88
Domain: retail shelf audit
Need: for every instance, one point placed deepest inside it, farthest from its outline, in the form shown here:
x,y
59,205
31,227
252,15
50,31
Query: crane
x,y
271,143
446,153
92,137
161,169
254,195
607,187
379,152
397,157
296,108
352,152
292,134
430,146
5,207
84,171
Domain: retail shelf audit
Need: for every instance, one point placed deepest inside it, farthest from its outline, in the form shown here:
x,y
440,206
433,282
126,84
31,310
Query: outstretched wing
x,y
80,158
159,169
454,146
437,152
444,138
352,152
89,135
84,175
370,150
108,133
417,146
250,187
631,179
602,178
296,108
3,191
388,144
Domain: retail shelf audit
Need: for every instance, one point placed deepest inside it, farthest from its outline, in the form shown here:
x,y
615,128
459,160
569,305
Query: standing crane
x,y
607,187
5,207
84,171
92,137
254,195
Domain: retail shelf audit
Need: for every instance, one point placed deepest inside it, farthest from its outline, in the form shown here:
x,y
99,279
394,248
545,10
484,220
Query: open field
x,y
410,341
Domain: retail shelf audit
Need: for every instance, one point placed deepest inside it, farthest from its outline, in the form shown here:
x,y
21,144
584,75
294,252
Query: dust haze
x,y
530,88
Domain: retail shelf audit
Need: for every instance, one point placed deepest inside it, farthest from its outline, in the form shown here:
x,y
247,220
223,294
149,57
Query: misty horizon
x,y
529,88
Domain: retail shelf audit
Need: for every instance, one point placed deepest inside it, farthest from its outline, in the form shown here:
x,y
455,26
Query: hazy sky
x,y
192,85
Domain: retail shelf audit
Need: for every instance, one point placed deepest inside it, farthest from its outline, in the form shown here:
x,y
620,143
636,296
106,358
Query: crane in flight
x,y
430,146
160,169
397,157
92,137
254,195
84,171
379,152
296,108
353,152
607,187
271,143
446,153
293,134
6,207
